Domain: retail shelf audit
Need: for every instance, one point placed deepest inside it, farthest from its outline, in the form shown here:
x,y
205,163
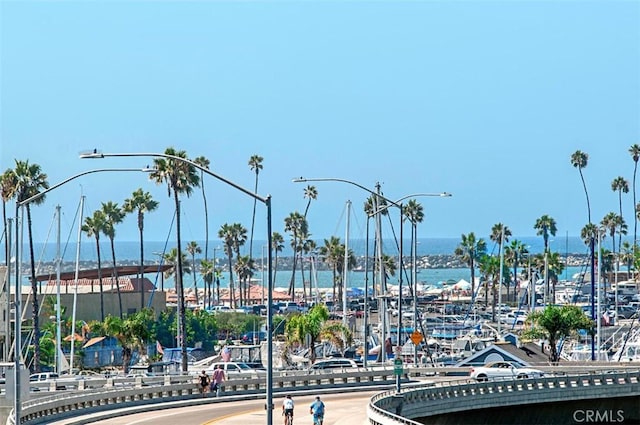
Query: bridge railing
x,y
450,397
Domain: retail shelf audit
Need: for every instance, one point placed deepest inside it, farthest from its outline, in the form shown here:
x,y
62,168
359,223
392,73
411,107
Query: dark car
x,y
253,337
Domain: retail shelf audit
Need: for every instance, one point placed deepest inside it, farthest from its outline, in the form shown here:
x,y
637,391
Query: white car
x,y
236,370
334,364
503,370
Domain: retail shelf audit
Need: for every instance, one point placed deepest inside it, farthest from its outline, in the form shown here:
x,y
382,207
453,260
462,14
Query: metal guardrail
x,y
93,395
119,393
450,397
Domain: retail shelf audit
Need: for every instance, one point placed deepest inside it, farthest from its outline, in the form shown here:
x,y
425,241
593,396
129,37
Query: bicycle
x,y
288,417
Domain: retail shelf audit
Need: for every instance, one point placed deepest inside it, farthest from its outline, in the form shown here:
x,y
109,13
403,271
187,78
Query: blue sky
x,y
483,99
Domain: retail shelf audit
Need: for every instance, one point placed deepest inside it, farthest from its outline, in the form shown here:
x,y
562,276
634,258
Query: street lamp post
x,y
267,202
20,206
376,195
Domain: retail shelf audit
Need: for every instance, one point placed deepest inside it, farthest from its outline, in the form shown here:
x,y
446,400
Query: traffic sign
x,y
416,337
397,367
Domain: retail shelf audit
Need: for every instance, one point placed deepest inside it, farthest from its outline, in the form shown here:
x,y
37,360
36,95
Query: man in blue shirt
x,y
317,410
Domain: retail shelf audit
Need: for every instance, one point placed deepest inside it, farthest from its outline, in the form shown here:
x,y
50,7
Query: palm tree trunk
x,y
141,281
195,283
232,295
292,283
304,287
115,275
34,305
635,215
100,279
180,288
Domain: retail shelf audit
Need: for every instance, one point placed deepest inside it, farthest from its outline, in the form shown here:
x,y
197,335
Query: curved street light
x,y
266,200
397,203
18,289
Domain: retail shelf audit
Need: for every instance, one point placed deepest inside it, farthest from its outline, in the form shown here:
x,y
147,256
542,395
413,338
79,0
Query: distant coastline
x,y
432,247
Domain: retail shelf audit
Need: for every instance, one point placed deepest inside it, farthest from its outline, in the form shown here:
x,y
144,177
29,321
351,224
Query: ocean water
x,y
153,249
129,251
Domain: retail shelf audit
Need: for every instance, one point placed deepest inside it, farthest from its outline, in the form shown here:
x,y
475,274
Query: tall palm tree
x,y
30,180
489,266
514,253
245,269
204,163
331,255
620,185
277,245
113,215
180,177
414,212
239,239
193,248
469,251
310,193
141,202
93,226
226,233
255,164
634,151
297,226
545,226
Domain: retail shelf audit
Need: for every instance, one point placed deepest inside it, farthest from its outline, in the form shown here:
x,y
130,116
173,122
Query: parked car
x,y
332,364
503,370
253,337
237,370
627,312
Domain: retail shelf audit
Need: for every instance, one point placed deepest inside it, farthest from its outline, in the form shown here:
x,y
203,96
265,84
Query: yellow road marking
x,y
222,418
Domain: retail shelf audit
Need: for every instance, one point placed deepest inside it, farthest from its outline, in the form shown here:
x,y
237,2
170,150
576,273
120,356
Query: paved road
x,y
341,409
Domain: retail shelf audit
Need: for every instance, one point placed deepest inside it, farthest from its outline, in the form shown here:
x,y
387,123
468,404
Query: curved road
x,y
341,409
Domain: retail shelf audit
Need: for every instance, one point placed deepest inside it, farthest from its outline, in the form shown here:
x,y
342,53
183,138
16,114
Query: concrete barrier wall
x,y
400,408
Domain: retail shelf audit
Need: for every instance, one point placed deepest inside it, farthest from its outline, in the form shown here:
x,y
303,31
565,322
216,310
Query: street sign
x,y
397,367
416,337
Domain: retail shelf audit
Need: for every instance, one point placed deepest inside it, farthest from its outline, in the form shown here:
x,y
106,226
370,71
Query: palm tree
x,y
171,258
614,224
206,270
331,255
8,185
297,226
277,244
131,333
239,239
245,269
312,326
489,266
93,226
634,150
469,251
545,226
255,164
193,248
30,180
226,233
554,323
204,163
514,253
140,202
180,177
113,215
311,193
620,185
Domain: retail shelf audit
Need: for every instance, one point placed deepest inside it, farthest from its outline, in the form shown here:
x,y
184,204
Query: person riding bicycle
x,y
317,410
287,410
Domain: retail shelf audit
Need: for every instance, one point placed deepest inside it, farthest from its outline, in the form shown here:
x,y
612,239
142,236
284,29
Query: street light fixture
x,y
413,262
17,339
376,194
267,202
